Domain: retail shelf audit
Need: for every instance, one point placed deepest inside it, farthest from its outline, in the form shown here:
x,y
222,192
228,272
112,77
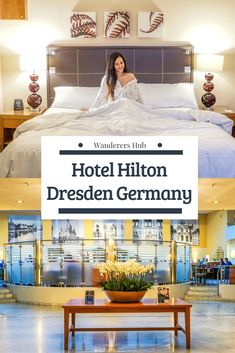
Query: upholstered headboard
x,y
85,65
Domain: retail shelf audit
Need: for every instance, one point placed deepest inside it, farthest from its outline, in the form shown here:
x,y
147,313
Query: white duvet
x,y
21,158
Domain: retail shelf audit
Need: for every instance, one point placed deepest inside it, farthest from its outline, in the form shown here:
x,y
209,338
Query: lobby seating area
x,y
212,273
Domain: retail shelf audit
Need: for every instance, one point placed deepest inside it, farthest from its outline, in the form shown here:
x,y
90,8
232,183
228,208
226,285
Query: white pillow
x,y
74,97
169,95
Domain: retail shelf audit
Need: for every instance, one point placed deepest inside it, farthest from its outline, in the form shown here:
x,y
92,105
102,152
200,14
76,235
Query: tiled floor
x,y
35,329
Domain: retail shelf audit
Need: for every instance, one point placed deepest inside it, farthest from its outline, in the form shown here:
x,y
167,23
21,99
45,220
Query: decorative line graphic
x,y
120,210
147,152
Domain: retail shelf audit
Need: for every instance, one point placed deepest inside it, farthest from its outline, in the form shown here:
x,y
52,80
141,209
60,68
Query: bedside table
x,y
229,113
9,121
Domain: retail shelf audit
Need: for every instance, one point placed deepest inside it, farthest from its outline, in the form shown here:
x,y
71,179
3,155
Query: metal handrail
x,y
85,253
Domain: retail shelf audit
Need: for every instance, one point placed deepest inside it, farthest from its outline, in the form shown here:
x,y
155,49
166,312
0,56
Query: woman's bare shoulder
x,y
130,76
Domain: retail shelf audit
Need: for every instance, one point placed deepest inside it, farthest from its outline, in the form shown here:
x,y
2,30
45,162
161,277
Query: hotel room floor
x,y
39,329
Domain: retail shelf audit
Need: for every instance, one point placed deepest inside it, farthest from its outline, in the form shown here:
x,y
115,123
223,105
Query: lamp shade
x,y
210,62
32,62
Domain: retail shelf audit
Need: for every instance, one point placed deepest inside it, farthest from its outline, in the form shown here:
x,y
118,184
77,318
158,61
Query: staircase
x,y
209,293
6,296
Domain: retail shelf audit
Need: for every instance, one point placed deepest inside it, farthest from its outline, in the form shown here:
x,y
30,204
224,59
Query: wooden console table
x,y
78,306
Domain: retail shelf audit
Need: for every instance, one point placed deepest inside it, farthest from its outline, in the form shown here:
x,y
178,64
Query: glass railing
x,y
20,263
183,262
73,263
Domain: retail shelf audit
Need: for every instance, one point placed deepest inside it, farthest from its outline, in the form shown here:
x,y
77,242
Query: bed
x,y
164,74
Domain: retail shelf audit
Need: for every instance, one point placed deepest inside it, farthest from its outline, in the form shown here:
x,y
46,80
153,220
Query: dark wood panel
x,y
90,80
64,60
149,60
176,59
175,78
91,60
85,65
149,78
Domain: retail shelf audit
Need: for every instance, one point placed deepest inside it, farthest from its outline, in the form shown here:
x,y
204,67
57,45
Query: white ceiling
x,y
26,190
216,194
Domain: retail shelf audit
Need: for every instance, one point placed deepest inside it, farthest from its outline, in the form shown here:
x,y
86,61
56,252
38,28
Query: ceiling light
x,y
19,201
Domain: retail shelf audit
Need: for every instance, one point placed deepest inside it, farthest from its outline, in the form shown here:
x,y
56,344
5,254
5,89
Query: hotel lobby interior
x,y
33,320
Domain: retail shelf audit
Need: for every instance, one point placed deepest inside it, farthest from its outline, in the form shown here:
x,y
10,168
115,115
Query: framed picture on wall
x,y
150,24
23,228
147,229
116,24
67,229
83,25
108,229
186,231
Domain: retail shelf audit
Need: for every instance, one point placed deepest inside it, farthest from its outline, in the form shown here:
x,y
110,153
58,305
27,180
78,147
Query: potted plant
x,y
125,281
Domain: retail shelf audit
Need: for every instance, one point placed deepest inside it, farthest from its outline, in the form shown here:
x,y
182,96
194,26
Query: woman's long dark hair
x,y
111,76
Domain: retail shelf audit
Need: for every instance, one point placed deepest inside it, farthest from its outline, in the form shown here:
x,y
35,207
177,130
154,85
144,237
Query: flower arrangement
x,y
125,276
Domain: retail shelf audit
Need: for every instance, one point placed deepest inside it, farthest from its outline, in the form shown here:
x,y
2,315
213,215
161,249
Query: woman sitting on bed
x,y
117,82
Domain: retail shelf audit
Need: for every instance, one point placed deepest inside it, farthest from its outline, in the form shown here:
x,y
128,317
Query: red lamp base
x,y
34,99
208,99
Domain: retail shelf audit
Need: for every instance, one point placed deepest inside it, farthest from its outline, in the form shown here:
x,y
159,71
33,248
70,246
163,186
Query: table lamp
x,y
210,63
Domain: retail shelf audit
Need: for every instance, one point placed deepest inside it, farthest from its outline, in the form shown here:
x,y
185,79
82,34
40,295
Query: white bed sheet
x,y
21,158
